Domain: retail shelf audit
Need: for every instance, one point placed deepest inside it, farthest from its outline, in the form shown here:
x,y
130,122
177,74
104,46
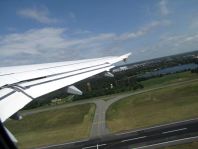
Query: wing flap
x,y
12,103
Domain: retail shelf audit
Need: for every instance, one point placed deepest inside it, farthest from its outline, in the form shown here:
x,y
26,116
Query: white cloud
x,y
187,41
173,44
51,44
163,8
36,40
38,14
144,30
31,41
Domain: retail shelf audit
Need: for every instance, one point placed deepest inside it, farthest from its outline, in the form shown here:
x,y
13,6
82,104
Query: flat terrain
x,y
55,126
157,82
193,145
168,79
155,107
70,122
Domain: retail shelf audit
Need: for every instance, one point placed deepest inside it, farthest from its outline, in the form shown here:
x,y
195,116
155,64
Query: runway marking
x,y
94,146
123,133
153,127
146,146
174,130
133,139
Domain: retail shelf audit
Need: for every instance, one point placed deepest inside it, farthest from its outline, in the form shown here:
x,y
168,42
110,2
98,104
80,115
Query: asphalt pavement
x,y
99,127
153,137
100,136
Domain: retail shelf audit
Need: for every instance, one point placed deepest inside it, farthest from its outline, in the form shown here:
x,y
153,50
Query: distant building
x,y
195,56
122,68
56,101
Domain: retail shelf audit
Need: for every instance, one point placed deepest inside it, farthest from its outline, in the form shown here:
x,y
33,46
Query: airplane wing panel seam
x,y
8,94
105,58
17,88
52,75
58,74
63,65
29,86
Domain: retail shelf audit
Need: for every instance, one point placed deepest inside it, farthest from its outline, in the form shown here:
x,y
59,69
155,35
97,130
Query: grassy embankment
x,y
155,107
193,145
55,126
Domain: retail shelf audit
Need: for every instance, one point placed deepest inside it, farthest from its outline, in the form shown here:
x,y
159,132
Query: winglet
x,y
125,57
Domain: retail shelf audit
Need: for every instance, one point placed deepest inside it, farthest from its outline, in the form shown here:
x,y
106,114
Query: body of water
x,y
173,69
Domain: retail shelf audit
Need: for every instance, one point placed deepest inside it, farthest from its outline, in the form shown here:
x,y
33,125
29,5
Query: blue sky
x,y
35,31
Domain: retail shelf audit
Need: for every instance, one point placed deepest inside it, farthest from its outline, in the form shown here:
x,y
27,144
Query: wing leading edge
x,y
20,85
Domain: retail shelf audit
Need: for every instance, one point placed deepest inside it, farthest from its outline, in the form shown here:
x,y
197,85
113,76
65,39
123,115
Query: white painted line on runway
x,y
123,133
174,130
133,139
98,145
153,127
146,146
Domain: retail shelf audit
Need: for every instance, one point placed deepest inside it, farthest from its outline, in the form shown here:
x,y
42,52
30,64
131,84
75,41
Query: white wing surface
x,y
19,85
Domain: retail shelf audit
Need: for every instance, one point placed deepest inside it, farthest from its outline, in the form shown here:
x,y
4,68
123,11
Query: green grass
x,y
193,145
55,126
157,82
168,79
155,107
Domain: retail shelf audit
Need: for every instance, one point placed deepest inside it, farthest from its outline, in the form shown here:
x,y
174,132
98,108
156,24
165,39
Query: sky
x,y
35,31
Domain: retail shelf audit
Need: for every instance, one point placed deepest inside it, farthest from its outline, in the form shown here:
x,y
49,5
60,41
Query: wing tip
x,y
125,56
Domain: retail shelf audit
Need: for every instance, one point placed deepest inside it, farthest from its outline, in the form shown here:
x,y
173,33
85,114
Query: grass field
x,y
55,126
168,79
193,145
157,82
155,107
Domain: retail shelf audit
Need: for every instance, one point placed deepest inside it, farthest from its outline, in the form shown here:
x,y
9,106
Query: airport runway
x,y
99,127
153,137
100,136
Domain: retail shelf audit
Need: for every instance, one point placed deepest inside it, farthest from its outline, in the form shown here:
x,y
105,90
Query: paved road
x,y
99,130
99,127
153,137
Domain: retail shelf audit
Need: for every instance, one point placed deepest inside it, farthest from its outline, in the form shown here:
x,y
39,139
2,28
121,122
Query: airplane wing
x,y
19,85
